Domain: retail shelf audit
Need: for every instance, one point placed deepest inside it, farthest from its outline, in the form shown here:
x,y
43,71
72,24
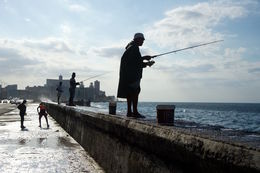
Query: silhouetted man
x,y
72,88
22,108
131,69
59,90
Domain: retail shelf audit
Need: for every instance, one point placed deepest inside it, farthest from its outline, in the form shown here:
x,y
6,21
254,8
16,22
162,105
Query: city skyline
x,y
48,91
43,39
5,84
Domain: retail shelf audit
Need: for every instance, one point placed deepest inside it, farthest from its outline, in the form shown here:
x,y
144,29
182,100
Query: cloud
x,y
65,29
186,67
35,60
49,44
189,25
12,61
108,52
27,19
34,56
113,51
76,48
202,68
208,66
224,69
254,70
234,52
77,8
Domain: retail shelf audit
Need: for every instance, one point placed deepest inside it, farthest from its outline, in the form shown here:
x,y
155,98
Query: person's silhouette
x,y
59,92
72,89
131,69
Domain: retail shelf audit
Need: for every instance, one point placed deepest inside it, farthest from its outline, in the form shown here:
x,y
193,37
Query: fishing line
x,y
191,47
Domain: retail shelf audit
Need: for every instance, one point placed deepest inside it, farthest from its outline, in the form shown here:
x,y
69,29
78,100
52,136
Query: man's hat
x,y
139,35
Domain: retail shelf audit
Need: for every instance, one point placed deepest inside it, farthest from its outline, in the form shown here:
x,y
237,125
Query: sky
x,y
43,39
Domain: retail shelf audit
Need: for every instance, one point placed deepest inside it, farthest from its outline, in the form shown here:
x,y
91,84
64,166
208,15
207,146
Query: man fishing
x,y
72,89
59,92
131,69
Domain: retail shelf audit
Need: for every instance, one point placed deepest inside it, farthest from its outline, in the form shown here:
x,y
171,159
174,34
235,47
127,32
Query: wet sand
x,y
38,149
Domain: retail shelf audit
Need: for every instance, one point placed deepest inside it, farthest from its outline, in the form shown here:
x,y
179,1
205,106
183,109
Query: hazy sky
x,y
42,39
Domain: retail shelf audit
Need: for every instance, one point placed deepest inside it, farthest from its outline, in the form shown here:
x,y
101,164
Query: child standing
x,y
22,108
42,111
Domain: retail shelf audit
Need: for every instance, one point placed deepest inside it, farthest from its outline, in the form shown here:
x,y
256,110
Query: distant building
x,y
97,87
0,91
23,94
10,91
92,90
60,77
52,84
48,91
35,92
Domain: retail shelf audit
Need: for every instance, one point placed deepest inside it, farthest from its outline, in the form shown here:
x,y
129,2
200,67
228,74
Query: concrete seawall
x,y
125,145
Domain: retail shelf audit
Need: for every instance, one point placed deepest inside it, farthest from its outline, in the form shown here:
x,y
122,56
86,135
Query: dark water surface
x,y
234,116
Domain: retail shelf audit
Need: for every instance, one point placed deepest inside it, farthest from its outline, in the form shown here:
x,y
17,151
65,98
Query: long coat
x,y
72,88
131,69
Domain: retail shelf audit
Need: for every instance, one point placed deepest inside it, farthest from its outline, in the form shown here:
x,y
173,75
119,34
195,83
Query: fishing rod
x,y
191,47
94,76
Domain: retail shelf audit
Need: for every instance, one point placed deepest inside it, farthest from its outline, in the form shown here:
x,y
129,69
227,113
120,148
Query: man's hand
x,y
150,63
147,57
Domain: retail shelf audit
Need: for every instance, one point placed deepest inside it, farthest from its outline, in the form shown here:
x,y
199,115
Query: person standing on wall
x,y
131,69
59,92
72,89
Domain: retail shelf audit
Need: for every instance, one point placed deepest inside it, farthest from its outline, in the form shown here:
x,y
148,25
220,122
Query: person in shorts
x,y
42,111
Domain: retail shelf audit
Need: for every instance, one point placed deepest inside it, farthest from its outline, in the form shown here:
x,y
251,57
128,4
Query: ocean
x,y
223,116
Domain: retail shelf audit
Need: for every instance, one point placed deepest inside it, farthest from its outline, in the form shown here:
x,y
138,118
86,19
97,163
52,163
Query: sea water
x,y
235,116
